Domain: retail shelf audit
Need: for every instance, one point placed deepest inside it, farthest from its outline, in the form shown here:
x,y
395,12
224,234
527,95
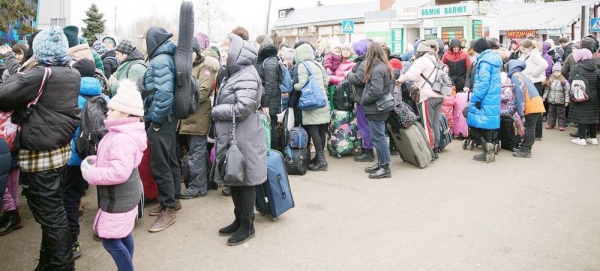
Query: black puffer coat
x,y
269,74
109,60
356,77
586,112
56,115
380,84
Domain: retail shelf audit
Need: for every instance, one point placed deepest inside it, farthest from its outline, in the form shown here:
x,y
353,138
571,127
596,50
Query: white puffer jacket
x,y
422,65
535,66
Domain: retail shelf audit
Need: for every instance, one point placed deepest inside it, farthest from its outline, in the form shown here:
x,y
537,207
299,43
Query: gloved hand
x,y
478,105
85,166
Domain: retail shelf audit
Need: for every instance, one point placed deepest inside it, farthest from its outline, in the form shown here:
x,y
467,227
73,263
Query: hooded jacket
x,y
586,112
80,51
110,62
567,51
535,66
548,58
205,72
528,100
132,68
380,84
304,54
424,65
267,66
159,80
119,153
586,43
458,64
241,93
557,91
487,92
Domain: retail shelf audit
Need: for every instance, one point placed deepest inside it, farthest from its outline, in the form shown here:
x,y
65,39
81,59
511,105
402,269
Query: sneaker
x,y
579,141
226,191
522,154
549,127
188,195
156,211
76,249
166,219
593,141
560,128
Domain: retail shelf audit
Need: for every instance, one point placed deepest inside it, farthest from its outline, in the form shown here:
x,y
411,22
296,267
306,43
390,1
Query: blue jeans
x,y
197,161
380,141
121,251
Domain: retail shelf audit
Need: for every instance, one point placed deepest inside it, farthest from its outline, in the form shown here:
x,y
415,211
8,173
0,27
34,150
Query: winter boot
x,y
365,156
233,227
372,169
321,164
44,261
436,153
383,172
480,157
13,222
243,234
490,155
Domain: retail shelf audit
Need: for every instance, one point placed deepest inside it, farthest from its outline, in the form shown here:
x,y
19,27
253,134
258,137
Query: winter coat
x,y
516,54
380,84
548,59
332,62
97,60
12,65
586,112
119,153
469,81
458,64
340,73
5,163
242,92
486,92
267,66
80,51
568,50
159,80
90,87
205,72
132,68
570,61
424,65
356,77
528,99
535,67
52,123
557,92
110,62
448,108
304,54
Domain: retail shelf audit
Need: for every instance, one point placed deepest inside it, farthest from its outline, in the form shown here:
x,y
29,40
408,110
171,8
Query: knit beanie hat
x,y
582,54
203,40
396,64
556,67
86,67
99,47
481,45
588,43
72,33
346,45
128,99
424,46
360,47
111,40
50,42
125,47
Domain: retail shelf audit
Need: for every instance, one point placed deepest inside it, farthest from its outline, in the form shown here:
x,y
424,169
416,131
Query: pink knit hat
x,y
128,99
582,54
203,39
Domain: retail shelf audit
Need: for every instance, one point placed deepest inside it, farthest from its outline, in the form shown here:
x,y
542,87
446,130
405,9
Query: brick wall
x,y
386,4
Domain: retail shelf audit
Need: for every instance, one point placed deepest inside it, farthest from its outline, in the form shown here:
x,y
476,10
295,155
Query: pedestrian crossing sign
x,y
348,27
595,24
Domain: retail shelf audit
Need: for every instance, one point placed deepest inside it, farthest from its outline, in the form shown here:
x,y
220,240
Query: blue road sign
x,y
348,27
595,24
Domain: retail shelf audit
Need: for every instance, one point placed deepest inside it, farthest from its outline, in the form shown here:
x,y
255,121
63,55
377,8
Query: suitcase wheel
x,y
497,148
465,144
339,156
473,145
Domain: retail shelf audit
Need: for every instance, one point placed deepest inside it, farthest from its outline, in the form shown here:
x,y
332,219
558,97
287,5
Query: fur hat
x,y
50,42
86,67
481,45
125,47
556,67
424,46
128,99
72,33
203,40
582,54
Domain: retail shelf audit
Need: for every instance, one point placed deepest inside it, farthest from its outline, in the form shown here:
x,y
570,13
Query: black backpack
x,y
341,96
92,127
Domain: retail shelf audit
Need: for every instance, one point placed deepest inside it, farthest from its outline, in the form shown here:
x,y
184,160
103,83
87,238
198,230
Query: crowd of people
x,y
48,83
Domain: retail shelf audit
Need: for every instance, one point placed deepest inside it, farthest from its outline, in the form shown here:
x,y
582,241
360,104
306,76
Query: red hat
x,y
396,64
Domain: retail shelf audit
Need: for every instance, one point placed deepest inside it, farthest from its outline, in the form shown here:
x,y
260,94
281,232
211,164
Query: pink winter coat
x,y
332,62
119,153
340,73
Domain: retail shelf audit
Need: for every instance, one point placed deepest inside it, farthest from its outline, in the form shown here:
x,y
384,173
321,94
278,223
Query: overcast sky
x,y
248,13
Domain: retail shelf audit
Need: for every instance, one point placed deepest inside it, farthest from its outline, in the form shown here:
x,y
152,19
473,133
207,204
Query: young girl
x,y
114,171
557,96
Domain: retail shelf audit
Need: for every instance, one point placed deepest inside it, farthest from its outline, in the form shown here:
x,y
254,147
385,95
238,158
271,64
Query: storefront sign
x,y
380,15
398,41
477,29
445,11
484,7
519,34
407,13
450,22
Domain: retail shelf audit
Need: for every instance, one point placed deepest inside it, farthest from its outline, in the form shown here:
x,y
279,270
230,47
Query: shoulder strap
x,y
307,68
131,66
434,70
47,74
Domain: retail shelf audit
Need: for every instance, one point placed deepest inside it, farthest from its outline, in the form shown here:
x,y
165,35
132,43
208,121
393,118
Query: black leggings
x,y
317,135
582,129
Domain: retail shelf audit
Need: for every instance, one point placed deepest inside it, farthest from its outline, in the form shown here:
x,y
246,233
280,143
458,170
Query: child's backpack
x,y
91,129
508,104
442,83
286,83
186,97
578,91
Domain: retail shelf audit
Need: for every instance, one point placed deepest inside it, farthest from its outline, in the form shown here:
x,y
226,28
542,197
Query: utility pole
x,y
268,18
115,21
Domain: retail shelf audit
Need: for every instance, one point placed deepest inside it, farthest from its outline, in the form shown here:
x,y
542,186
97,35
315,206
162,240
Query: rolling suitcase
x,y
413,145
274,196
509,134
344,138
445,133
148,182
459,122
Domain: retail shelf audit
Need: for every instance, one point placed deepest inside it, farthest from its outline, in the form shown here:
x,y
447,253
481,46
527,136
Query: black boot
x,y
244,233
13,222
44,261
480,157
313,161
383,172
321,164
372,169
233,227
365,156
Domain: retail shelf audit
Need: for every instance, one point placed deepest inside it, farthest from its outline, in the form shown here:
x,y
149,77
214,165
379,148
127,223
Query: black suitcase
x,y
296,160
509,134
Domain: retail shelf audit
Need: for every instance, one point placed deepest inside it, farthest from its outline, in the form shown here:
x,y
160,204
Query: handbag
x,y
312,96
31,106
233,167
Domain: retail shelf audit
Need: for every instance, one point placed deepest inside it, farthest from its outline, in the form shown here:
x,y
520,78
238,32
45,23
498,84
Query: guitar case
x,y
186,100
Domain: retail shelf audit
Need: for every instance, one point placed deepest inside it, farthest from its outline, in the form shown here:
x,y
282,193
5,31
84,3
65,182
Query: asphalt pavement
x,y
541,213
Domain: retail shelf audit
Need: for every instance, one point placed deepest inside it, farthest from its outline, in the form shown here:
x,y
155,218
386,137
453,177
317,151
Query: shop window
x,y
430,33
449,33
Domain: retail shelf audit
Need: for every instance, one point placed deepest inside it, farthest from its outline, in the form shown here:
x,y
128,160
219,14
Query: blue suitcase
x,y
445,133
274,196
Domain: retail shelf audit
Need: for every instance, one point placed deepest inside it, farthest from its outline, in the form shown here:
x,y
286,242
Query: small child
x,y
333,59
114,171
557,96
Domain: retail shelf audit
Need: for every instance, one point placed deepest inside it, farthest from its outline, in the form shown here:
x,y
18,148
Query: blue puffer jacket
x,y
90,86
160,81
487,91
